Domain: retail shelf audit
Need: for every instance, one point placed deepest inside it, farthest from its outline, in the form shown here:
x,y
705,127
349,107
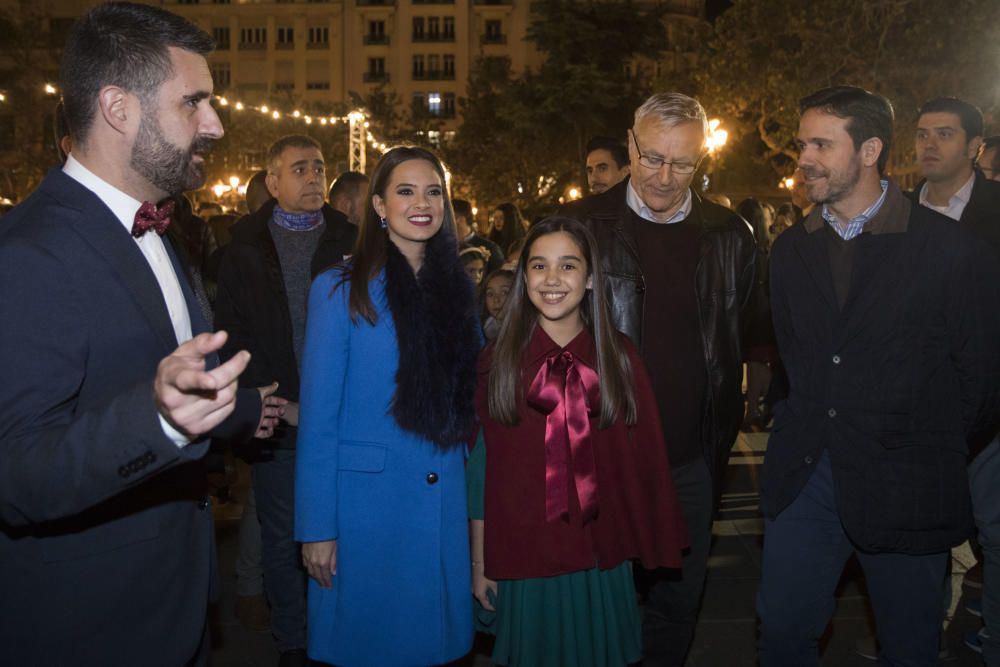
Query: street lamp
x,y
717,137
50,89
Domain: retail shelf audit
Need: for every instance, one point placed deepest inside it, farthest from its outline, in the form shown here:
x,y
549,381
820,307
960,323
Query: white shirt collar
x,y
956,205
644,212
122,205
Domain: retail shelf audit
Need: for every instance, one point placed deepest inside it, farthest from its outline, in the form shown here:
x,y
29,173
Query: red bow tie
x,y
149,217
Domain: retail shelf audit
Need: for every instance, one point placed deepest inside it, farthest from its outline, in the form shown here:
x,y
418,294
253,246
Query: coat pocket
x,y
361,456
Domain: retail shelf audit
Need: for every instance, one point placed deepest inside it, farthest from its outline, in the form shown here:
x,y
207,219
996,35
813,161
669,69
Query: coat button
x,y
432,478
808,460
203,504
836,358
831,412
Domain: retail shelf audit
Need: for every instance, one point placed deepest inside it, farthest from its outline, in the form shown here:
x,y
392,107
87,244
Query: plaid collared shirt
x,y
856,224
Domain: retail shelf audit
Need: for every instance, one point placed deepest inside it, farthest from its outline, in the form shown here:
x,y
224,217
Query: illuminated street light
x,y
276,115
574,193
234,181
239,106
716,138
50,89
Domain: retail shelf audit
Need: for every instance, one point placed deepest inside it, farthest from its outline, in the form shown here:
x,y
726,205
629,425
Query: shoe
x,y
975,607
253,613
974,576
974,640
295,658
867,648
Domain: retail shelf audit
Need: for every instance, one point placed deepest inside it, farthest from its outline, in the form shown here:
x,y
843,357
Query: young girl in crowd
x,y
494,296
474,261
388,380
577,481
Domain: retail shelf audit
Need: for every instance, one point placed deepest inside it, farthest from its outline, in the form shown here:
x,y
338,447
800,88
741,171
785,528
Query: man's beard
x,y
838,186
168,167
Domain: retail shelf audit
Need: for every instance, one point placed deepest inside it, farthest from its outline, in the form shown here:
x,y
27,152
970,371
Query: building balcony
x,y
436,37
253,46
284,46
318,45
376,77
371,40
433,76
493,2
376,3
493,39
433,2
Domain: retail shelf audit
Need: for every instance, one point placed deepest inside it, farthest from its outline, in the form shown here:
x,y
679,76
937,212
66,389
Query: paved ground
x,y
726,631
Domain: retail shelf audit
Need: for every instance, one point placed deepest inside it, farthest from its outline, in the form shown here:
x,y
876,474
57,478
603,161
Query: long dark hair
x,y
369,253
613,366
513,230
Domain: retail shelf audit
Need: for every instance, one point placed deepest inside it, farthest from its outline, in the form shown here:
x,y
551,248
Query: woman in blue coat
x,y
388,381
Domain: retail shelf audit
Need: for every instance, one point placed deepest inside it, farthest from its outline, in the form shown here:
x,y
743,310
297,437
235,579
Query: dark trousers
x,y
675,596
281,560
805,550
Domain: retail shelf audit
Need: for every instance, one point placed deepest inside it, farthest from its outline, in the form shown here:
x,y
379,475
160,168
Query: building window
x,y
448,66
418,28
434,103
284,86
221,75
448,105
418,67
286,38
318,85
376,70
187,2
319,37
448,32
376,33
434,67
221,38
494,32
418,102
220,2
253,38
434,28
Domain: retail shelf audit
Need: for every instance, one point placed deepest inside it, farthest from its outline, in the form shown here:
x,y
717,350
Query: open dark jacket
x,y
253,307
982,213
893,383
723,282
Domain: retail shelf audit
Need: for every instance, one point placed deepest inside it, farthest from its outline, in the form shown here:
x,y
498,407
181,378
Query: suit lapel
x,y
816,258
198,322
102,230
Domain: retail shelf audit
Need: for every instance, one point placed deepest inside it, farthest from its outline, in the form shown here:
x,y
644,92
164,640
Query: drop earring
x,y
382,222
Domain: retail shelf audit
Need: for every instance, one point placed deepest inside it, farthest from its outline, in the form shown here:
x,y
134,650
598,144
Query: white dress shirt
x,y
956,205
151,245
646,213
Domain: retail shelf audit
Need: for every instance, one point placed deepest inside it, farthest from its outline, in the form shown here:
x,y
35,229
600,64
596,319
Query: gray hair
x,y
670,109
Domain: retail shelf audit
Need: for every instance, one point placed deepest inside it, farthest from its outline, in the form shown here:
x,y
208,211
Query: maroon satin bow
x,y
566,391
150,217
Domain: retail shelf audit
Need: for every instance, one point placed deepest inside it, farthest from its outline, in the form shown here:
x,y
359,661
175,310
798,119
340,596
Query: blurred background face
x,y
603,172
497,290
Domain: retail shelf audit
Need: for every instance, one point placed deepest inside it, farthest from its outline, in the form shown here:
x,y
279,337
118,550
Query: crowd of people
x,y
519,430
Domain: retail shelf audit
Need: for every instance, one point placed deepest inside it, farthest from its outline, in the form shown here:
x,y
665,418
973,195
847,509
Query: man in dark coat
x,y
679,271
885,316
111,382
264,283
948,140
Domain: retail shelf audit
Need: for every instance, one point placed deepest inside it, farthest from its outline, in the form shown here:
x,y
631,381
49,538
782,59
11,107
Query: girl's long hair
x,y
521,318
369,253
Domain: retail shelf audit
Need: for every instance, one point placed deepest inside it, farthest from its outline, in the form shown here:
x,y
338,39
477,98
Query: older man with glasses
x,y
679,270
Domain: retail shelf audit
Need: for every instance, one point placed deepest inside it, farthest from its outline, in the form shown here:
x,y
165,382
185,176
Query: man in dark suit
x,y
886,318
106,541
948,140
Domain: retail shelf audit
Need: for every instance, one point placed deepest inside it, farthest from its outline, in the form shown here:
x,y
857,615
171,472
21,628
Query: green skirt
x,y
582,619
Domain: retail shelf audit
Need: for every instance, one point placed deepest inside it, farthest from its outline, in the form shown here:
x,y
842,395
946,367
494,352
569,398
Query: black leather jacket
x,y
723,282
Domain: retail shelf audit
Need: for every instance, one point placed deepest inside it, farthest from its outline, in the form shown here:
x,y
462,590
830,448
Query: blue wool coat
x,y
394,503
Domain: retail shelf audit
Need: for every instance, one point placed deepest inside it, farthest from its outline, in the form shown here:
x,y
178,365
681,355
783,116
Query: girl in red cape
x,y
576,482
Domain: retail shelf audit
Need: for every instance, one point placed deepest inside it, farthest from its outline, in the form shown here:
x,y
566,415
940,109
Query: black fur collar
x,y
434,313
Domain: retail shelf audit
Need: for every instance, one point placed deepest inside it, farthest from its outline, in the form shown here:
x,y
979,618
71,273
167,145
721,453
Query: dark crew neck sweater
x,y
672,348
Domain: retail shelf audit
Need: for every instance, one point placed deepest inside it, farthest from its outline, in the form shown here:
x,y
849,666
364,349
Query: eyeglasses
x,y
656,163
